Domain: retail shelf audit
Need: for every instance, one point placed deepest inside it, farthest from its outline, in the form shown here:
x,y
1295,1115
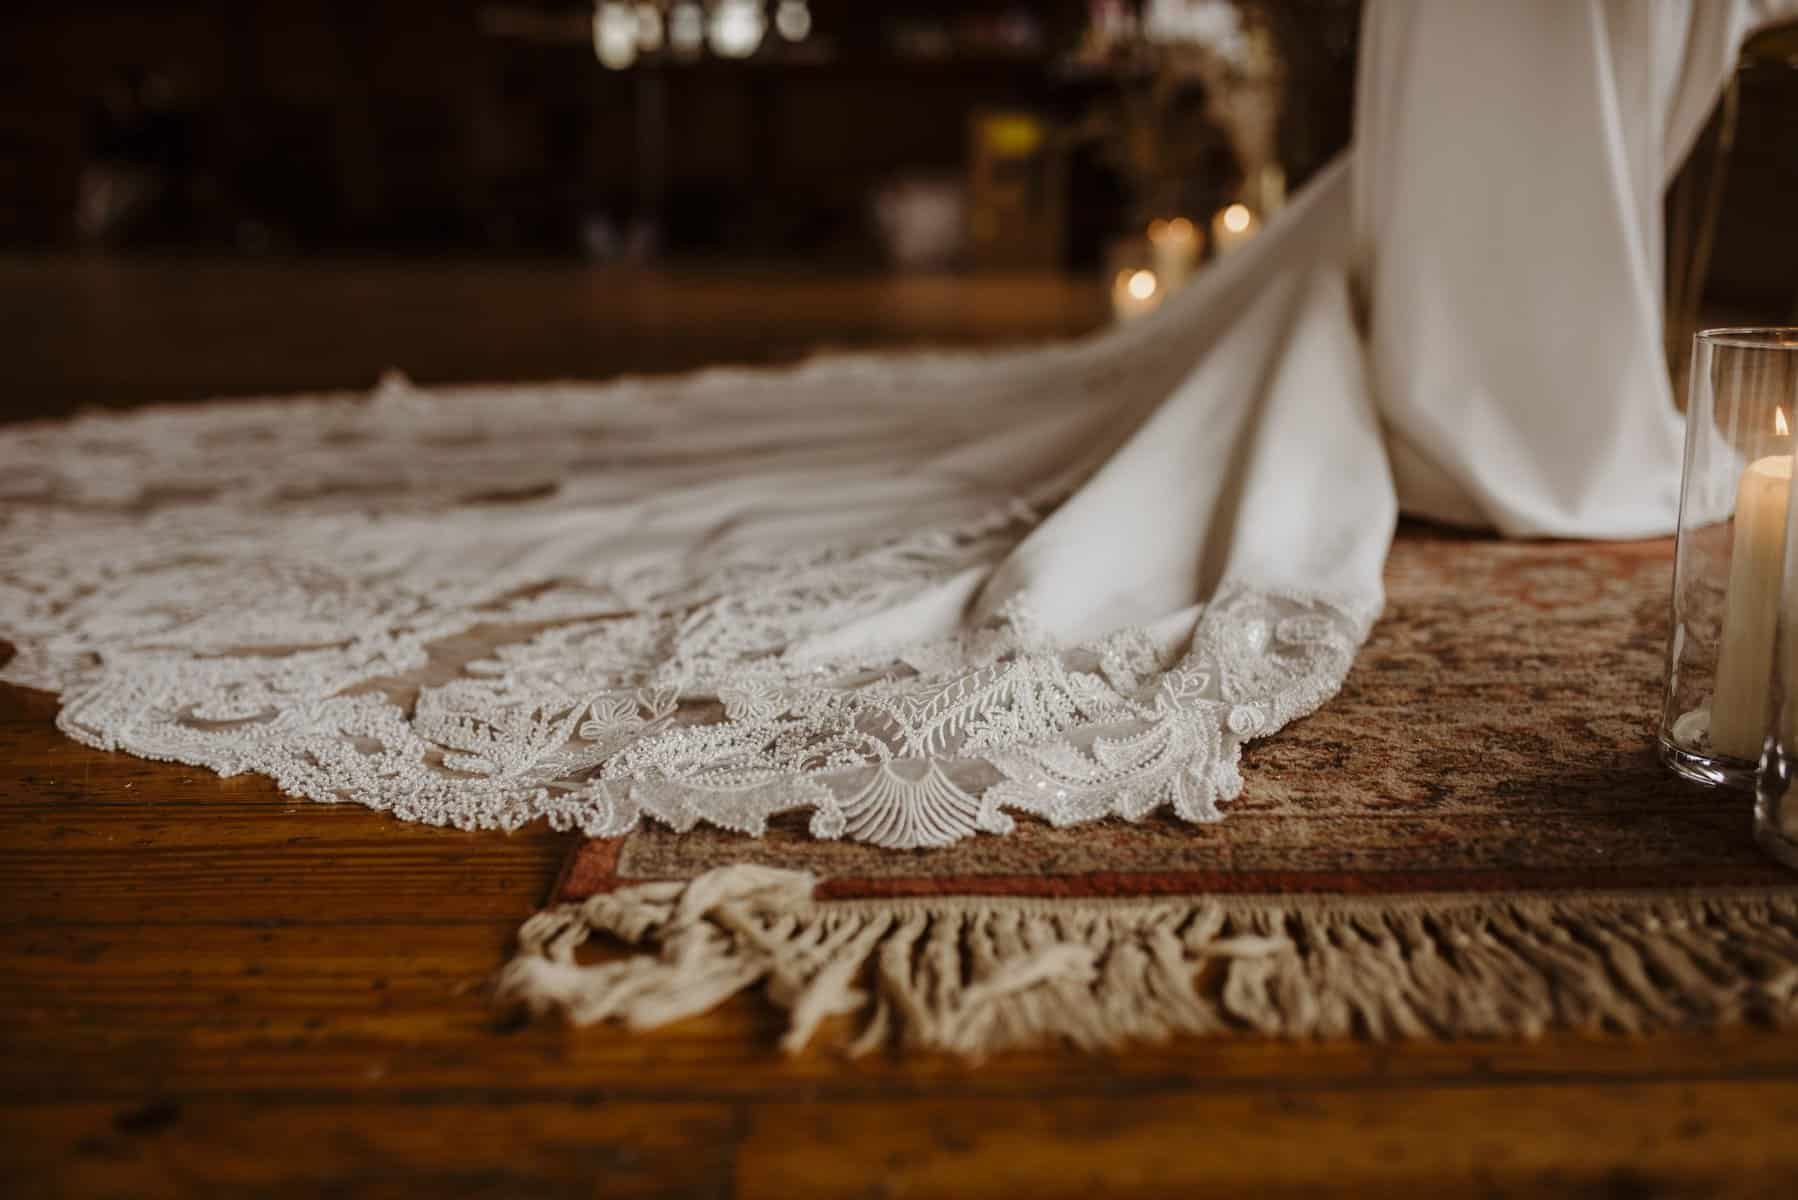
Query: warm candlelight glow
x,y
1779,423
1136,291
615,35
1233,226
1176,243
735,28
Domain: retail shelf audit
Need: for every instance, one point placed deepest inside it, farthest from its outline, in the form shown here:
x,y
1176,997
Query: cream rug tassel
x,y
971,975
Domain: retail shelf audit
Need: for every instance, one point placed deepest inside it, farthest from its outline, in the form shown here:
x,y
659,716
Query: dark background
x,y
430,126
459,187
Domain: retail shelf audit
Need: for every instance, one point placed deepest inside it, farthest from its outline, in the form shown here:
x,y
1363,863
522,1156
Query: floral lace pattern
x,y
338,607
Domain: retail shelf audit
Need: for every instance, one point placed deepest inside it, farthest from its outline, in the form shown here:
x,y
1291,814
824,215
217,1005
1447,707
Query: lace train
x,y
346,605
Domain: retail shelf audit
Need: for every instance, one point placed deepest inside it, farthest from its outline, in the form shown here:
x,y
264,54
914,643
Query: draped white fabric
x,y
912,595
1510,163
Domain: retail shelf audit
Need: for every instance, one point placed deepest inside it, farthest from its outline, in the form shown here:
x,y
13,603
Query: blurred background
x,y
259,195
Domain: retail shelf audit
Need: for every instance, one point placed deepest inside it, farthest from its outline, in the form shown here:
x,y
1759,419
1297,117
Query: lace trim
x,y
275,624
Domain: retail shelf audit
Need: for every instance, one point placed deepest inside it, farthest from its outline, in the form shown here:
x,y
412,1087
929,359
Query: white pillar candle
x,y
1134,292
1739,707
1176,245
1232,227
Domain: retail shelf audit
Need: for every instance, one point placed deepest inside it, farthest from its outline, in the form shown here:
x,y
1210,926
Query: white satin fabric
x,y
1509,164
910,594
1498,221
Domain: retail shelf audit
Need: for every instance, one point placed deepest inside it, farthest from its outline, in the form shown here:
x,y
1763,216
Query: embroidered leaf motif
x,y
903,812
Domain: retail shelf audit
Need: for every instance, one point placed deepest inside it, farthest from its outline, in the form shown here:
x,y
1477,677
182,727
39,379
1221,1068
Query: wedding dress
x,y
908,597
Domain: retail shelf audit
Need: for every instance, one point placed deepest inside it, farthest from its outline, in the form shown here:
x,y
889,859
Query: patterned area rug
x,y
1474,837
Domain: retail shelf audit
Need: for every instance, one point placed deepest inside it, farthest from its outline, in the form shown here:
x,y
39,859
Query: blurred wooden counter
x,y
95,331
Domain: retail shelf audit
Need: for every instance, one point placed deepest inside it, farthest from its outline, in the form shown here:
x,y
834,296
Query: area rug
x,y
1475,838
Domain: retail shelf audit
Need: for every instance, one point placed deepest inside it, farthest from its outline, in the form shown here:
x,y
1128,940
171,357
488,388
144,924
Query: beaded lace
x,y
311,590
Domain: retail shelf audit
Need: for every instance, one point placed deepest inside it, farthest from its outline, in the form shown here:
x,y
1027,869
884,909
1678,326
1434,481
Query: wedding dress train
x,y
913,595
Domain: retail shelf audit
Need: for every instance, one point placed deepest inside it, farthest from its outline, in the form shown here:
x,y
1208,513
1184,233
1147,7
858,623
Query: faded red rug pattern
x,y
1496,735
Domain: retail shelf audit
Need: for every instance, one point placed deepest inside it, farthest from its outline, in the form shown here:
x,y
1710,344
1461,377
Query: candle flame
x,y
1237,217
1142,284
1779,423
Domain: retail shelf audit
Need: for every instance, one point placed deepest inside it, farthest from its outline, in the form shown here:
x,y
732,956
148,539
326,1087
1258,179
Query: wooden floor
x,y
93,331
208,989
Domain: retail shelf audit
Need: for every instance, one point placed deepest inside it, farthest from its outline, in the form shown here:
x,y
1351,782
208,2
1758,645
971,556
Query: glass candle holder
x,y
1729,566
1176,244
1137,288
1233,227
1775,800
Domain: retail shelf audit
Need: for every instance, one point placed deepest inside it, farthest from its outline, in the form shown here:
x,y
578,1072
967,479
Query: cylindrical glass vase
x,y
1730,562
1137,288
1775,797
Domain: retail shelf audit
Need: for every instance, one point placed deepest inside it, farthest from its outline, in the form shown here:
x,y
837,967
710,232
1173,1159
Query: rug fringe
x,y
972,975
